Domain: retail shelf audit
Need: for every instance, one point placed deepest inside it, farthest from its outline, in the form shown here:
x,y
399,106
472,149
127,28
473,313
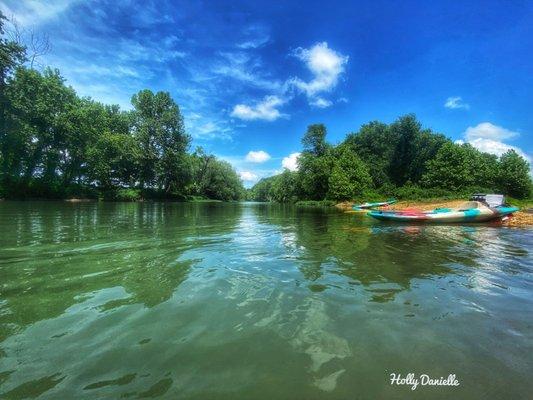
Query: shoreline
x,y
520,219
149,200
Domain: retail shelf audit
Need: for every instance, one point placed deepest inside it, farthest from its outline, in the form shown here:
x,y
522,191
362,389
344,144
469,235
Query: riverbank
x,y
520,219
140,200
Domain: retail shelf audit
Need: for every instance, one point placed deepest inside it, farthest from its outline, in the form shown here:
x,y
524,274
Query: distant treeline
x,y
54,144
400,159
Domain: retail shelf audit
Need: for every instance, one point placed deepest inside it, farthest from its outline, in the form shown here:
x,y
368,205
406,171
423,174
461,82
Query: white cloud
x,y
265,110
291,161
243,66
325,64
319,102
496,147
254,43
456,102
34,12
201,129
486,130
257,156
488,138
249,173
132,51
248,176
211,130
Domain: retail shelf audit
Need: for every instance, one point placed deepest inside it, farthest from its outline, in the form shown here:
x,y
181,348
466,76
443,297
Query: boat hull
x,y
437,216
369,206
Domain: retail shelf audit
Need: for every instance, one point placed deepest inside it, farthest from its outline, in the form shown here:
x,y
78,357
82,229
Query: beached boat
x,y
368,206
472,211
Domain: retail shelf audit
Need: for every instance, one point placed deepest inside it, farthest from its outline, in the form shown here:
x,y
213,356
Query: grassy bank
x,y
315,203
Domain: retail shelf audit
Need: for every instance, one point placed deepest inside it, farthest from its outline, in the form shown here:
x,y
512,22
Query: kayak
x,y
472,211
368,206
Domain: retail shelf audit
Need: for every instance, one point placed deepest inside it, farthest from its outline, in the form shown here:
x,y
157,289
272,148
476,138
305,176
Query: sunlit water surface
x,y
257,301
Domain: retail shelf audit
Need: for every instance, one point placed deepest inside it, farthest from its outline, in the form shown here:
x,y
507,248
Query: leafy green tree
x,y
340,187
223,183
456,167
374,144
485,172
113,160
159,128
314,140
406,128
199,163
284,187
513,175
350,176
314,164
450,169
84,124
414,148
12,55
39,103
262,190
426,146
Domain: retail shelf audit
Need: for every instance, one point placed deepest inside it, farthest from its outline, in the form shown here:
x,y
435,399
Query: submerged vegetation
x,y
400,159
56,144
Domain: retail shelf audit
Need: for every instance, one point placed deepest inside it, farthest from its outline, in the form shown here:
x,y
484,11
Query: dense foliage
x,y
401,159
55,144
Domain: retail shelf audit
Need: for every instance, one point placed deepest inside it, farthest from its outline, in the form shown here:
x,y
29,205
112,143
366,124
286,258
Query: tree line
x,y
400,159
55,144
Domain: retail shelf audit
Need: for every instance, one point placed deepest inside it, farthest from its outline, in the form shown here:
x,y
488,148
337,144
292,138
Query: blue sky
x,y
250,76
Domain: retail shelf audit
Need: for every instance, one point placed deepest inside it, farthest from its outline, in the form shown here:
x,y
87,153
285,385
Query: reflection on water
x,y
256,301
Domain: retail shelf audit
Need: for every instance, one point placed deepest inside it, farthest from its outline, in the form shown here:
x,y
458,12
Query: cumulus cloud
x,y
486,130
488,138
259,156
248,176
496,147
291,161
325,64
264,110
455,103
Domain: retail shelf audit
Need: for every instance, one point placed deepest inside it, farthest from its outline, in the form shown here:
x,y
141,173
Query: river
x,y
257,301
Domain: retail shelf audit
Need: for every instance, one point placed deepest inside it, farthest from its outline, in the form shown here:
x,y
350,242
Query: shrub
x,y
128,195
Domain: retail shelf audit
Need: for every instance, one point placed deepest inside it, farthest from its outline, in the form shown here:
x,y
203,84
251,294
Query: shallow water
x,y
257,301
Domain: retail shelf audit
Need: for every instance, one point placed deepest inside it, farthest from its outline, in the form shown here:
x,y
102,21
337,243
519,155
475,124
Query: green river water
x,y
257,301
